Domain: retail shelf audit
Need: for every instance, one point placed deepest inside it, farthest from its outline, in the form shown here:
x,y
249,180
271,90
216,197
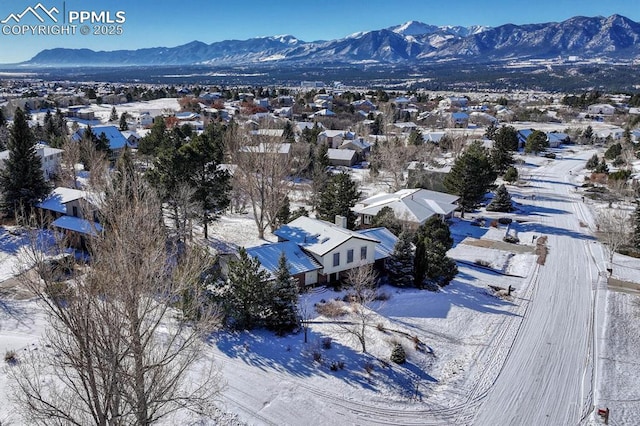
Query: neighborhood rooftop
x,y
317,236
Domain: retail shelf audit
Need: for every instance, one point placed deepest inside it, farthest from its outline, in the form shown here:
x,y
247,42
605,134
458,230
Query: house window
x,y
349,255
336,259
363,253
366,219
75,211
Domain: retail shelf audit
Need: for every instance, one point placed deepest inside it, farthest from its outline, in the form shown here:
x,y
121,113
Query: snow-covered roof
x,y
298,262
116,138
358,143
340,154
317,236
59,197
276,148
412,205
76,224
386,238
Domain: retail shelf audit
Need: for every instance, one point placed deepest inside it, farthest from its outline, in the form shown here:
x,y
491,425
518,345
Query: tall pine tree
x,y
432,241
501,201
337,198
400,263
22,181
283,310
470,177
246,293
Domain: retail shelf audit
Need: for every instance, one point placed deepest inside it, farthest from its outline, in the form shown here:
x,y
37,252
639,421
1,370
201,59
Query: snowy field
x,y
469,351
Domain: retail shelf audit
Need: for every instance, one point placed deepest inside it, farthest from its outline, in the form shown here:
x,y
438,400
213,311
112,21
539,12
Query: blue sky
x,y
171,23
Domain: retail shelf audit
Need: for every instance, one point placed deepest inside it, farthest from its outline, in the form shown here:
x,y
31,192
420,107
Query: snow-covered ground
x,y
536,357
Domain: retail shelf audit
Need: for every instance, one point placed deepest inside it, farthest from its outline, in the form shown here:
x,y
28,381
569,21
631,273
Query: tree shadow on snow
x,y
266,351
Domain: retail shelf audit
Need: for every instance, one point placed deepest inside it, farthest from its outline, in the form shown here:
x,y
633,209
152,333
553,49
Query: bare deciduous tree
x,y
263,172
125,331
392,157
363,281
70,158
614,230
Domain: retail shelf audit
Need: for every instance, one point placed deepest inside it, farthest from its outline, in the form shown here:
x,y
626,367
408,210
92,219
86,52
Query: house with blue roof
x,y
73,212
117,141
302,266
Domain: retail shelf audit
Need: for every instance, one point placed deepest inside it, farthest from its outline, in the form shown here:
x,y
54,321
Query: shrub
x,y
331,309
380,327
326,343
368,367
10,357
336,365
511,175
511,239
382,296
398,355
317,356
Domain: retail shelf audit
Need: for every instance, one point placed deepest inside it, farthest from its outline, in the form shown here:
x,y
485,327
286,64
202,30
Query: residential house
x,y
601,109
364,105
342,157
334,247
145,119
73,212
323,113
334,138
50,159
453,102
556,139
405,127
384,249
117,141
411,206
459,120
302,266
360,146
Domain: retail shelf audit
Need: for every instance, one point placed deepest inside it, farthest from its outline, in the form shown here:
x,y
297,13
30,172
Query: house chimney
x,y
341,221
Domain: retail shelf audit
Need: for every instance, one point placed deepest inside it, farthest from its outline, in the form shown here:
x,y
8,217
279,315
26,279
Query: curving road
x,y
547,378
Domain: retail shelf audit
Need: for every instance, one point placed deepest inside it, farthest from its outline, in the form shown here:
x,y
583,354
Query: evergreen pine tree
x,y
511,175
506,140
337,198
114,115
123,125
21,181
400,263
283,311
398,354
202,156
432,241
470,177
536,142
501,201
386,218
284,213
102,143
602,167
246,293
592,163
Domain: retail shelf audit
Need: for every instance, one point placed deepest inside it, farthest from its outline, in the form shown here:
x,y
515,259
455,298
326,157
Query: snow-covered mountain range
x,y
613,37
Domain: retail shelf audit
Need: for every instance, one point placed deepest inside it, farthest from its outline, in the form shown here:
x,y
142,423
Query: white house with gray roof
x,y
411,206
334,247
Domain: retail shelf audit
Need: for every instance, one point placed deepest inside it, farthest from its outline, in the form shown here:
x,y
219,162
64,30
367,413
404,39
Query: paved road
x,y
548,376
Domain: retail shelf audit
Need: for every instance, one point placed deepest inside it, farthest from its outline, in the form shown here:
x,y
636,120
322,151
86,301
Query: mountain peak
x,y
414,28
